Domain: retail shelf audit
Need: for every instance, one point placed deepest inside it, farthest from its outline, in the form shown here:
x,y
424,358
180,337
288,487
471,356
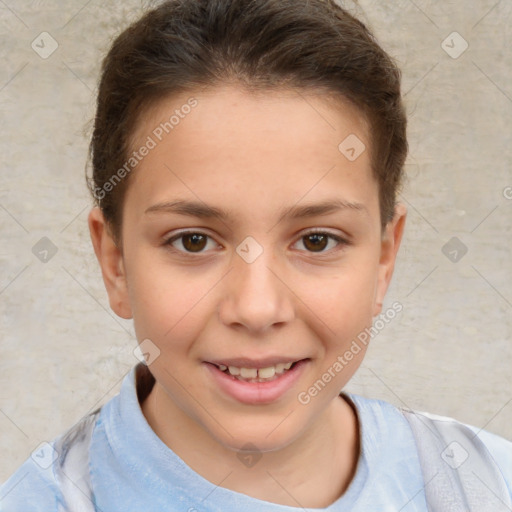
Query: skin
x,y
253,154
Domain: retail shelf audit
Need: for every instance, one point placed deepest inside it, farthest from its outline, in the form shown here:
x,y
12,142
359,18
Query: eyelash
x,y
340,241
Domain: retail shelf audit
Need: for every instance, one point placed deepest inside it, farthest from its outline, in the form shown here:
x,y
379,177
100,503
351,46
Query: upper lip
x,y
245,362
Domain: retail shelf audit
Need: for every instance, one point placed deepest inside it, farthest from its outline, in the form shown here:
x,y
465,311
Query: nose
x,y
256,295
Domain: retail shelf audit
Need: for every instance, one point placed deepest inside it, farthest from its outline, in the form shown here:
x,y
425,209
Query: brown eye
x,y
194,242
318,241
190,242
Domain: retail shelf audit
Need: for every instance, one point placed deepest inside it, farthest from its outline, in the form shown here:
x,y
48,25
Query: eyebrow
x,y
204,211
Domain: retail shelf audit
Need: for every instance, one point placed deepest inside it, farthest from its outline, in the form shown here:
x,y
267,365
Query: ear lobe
x,y
391,239
111,261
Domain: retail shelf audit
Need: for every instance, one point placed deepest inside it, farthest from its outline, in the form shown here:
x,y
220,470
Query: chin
x,y
259,436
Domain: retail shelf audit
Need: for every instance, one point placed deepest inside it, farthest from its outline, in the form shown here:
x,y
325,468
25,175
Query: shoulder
x,y
33,487
385,433
55,473
387,418
378,413
499,448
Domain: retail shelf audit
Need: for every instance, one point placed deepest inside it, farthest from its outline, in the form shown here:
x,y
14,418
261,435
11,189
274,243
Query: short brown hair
x,y
260,44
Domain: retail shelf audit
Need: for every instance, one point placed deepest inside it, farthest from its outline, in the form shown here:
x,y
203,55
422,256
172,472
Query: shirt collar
x,y
148,463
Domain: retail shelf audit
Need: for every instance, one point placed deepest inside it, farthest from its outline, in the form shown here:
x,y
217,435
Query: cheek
x,y
343,301
167,303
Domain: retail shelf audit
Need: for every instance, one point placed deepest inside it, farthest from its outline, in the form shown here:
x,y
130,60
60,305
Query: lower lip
x,y
254,393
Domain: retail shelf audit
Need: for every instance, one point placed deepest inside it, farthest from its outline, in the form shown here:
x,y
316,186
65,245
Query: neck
x,y
313,471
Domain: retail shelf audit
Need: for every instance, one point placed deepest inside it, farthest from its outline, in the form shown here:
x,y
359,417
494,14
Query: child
x,y
270,135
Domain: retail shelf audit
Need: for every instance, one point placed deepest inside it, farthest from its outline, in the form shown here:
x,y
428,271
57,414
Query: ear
x,y
110,258
390,243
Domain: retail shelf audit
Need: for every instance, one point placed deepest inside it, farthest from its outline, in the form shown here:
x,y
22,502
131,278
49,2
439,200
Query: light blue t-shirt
x,y
132,470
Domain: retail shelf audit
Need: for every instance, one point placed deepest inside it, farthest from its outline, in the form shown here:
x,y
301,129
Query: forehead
x,y
246,148
232,106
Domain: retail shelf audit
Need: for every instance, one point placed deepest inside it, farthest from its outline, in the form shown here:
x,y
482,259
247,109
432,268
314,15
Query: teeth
x,y
234,370
280,367
255,373
267,373
248,373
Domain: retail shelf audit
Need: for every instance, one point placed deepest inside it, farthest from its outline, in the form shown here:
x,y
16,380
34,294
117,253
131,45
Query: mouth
x,y
257,373
254,382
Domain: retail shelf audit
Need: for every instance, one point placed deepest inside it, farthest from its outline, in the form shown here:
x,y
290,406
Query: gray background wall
x,y
450,350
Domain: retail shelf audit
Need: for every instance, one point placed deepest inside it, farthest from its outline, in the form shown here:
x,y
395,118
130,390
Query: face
x,y
250,241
